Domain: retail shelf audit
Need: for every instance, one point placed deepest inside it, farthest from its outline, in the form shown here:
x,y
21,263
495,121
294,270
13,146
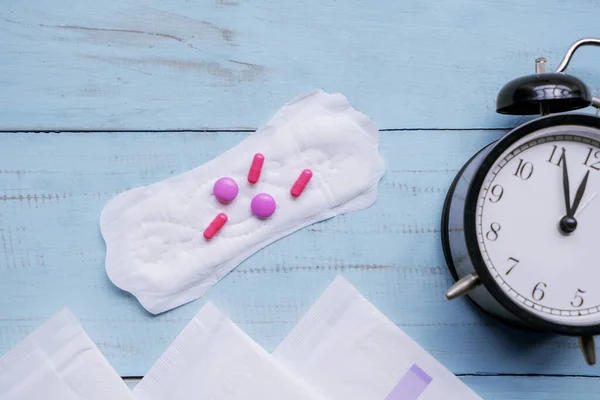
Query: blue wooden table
x,y
99,97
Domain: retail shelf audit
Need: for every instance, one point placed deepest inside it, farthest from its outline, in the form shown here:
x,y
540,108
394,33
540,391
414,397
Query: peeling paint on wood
x,y
155,65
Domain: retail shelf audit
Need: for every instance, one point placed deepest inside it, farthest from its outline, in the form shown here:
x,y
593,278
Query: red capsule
x,y
301,182
215,226
255,168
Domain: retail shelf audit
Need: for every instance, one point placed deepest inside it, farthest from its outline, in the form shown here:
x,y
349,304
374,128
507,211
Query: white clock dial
x,y
542,269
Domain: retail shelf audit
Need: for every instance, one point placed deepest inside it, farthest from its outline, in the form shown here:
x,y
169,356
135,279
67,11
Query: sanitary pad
x,y
59,361
213,359
348,350
154,234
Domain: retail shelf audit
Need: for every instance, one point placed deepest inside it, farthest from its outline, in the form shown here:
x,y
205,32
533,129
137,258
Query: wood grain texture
x,y
216,64
521,387
51,252
228,65
534,387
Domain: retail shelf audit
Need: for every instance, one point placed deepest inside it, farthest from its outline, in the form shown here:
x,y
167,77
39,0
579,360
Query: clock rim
x,y
470,232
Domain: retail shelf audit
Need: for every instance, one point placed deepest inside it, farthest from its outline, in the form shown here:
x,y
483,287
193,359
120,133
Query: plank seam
x,y
241,130
133,378
529,375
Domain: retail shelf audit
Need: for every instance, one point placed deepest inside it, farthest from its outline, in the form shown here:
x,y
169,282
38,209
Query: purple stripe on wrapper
x,y
411,385
421,374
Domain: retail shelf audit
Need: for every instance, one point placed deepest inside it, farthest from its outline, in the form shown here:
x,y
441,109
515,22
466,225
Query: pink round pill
x,y
263,205
225,189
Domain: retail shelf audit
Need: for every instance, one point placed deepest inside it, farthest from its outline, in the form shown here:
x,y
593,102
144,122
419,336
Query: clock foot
x,y
463,286
586,343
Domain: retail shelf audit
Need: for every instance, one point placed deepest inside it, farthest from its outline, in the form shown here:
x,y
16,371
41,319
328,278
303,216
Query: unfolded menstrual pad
x,y
154,234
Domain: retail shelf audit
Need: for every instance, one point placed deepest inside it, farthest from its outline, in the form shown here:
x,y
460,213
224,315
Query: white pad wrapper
x,y
213,359
348,350
154,243
59,361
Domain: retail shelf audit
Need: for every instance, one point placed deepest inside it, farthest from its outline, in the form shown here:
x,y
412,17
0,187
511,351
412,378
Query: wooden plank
x,y
216,64
534,387
53,187
522,387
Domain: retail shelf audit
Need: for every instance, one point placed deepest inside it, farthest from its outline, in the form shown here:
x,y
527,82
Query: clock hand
x,y
584,205
566,188
568,223
579,194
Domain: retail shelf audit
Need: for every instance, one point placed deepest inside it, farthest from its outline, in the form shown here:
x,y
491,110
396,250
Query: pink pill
x,y
255,168
301,182
225,189
263,205
215,226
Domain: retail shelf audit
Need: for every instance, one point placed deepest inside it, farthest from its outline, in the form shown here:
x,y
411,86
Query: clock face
x,y
546,268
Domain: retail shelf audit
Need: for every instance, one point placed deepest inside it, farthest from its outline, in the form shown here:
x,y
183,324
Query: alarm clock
x,y
521,220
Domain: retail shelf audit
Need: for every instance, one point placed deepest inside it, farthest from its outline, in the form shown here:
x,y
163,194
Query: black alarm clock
x,y
521,220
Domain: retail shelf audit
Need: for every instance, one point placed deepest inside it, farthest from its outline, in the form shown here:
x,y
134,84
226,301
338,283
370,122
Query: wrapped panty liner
x,y
59,361
213,359
348,350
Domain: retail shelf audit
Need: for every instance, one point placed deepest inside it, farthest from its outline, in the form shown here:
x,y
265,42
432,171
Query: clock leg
x,y
586,343
464,285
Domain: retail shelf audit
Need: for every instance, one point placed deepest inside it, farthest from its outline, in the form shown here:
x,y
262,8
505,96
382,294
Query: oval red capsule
x,y
256,168
215,226
301,182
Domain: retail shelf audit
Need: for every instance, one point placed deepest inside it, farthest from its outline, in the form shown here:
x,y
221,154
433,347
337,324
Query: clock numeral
x,y
594,165
538,291
497,192
492,234
514,261
556,160
577,300
524,170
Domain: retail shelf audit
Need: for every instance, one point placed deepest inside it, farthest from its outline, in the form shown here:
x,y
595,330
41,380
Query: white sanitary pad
x,y
59,362
213,359
153,234
348,350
